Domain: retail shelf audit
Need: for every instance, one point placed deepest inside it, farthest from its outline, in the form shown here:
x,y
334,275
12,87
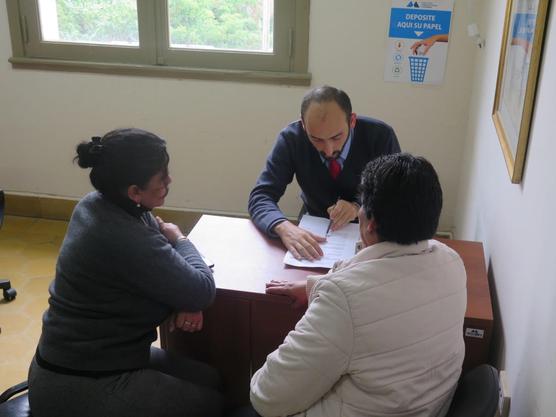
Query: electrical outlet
x,y
503,395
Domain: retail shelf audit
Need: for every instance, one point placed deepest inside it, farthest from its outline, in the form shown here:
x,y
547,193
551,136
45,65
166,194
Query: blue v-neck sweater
x,y
294,154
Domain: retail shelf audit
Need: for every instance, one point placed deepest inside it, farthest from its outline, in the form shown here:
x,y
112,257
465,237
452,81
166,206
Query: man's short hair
x,y
403,195
326,94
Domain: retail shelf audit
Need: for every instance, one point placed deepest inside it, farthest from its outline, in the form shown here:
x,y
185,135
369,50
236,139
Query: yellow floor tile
x,y
10,247
16,224
14,324
12,266
51,228
14,350
34,309
38,286
12,373
28,251
40,250
40,267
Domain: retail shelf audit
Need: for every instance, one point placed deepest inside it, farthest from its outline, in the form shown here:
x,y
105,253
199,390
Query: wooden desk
x,y
244,324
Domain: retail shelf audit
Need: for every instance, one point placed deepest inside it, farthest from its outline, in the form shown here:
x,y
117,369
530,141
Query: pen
x,y
328,228
330,221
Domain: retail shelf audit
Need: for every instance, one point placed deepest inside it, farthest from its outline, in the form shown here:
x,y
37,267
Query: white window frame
x,y
287,63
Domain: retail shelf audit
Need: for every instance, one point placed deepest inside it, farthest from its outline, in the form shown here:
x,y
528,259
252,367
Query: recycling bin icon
x,y
418,67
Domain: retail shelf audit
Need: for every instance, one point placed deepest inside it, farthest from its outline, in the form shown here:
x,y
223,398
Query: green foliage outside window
x,y
247,40
230,24
223,24
98,20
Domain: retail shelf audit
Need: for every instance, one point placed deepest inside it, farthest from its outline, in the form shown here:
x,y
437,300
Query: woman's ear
x,y
134,193
371,237
371,226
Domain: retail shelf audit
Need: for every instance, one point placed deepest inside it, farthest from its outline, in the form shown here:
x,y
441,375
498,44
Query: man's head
x,y
327,119
401,200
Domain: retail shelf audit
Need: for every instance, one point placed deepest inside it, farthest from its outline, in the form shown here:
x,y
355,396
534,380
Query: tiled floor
x,y
28,251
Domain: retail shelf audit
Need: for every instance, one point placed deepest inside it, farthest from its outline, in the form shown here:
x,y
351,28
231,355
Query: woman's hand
x,y
188,322
171,231
293,289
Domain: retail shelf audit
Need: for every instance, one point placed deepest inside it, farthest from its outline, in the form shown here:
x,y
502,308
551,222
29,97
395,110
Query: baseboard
x,y
42,207
446,234
59,208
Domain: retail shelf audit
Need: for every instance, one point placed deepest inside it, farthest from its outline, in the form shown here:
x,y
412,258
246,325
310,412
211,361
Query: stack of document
x,y
340,244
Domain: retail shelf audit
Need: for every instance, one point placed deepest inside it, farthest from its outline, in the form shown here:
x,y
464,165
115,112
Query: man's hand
x,y
188,322
342,213
169,230
293,289
301,243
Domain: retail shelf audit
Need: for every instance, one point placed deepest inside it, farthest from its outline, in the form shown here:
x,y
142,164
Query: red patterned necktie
x,y
334,168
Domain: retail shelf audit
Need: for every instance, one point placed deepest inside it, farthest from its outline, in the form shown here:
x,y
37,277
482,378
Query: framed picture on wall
x,y
518,71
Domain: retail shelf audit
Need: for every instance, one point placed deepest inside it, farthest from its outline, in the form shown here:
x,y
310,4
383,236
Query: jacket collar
x,y
383,250
379,250
393,250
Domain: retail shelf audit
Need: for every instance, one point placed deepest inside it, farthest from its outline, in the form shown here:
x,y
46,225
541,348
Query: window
x,y
246,38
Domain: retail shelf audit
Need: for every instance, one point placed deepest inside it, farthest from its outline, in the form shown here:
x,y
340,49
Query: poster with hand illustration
x,y
418,41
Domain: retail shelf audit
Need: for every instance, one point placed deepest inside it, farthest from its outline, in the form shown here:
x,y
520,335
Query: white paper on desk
x,y
339,244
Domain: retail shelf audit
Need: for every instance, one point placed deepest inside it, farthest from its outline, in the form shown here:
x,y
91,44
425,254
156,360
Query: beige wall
x,y
517,226
219,133
210,125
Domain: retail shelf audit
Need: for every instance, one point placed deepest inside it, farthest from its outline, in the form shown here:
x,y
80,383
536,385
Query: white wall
x,y
517,225
219,133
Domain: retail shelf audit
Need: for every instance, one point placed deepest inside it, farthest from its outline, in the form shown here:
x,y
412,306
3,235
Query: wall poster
x,y
418,41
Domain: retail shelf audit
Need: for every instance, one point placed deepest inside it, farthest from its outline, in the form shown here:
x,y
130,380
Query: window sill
x,y
269,77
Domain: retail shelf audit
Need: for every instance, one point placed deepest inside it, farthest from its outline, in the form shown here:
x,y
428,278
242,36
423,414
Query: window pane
x,y
244,25
111,22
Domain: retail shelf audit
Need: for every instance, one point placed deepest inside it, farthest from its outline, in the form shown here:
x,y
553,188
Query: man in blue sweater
x,y
327,150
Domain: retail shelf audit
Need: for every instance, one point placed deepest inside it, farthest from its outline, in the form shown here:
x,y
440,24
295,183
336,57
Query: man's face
x,y
327,127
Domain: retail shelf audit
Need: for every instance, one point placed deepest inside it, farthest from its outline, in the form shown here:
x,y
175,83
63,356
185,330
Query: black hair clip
x,y
96,147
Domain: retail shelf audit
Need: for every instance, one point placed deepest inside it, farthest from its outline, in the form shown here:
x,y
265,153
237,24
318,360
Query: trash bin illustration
x,y
418,67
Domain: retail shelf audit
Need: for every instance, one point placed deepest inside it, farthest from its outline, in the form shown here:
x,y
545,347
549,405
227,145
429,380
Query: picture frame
x,y
518,69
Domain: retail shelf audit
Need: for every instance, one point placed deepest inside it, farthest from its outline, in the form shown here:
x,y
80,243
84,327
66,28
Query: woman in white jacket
x,y
382,335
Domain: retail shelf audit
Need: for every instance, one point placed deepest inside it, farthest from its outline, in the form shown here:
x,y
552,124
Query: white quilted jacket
x,y
383,336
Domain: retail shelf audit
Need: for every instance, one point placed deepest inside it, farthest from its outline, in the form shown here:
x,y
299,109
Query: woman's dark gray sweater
x,y
117,278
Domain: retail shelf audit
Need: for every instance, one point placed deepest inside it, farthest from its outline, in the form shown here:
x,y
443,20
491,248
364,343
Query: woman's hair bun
x,y
89,153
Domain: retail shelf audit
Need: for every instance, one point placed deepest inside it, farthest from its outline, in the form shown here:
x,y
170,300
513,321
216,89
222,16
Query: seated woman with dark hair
x,y
121,273
382,335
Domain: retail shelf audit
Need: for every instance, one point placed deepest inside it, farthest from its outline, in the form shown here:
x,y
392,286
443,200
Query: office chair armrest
x,y
16,389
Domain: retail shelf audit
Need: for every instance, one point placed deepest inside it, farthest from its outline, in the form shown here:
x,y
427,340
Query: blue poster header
x,y
418,23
